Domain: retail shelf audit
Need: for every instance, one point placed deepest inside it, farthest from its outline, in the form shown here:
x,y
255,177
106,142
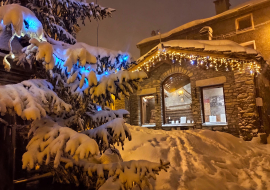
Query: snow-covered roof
x,y
200,21
215,46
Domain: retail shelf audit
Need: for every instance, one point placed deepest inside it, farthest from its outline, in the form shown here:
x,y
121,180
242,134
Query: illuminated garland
x,y
206,62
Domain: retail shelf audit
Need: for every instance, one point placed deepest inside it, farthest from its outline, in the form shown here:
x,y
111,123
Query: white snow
x,y
200,21
31,99
45,51
16,15
118,129
95,51
111,81
223,46
107,115
51,139
201,159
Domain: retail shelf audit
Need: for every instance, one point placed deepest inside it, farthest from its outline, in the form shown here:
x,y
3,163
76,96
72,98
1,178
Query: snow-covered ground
x,y
201,159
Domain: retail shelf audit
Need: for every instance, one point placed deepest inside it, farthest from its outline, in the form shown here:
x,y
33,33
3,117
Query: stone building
x,y
199,84
218,98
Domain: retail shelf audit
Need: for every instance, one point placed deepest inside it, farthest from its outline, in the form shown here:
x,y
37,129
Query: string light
x,y
204,62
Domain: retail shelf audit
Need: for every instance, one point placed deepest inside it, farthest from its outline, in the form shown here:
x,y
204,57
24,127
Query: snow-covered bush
x,y
73,134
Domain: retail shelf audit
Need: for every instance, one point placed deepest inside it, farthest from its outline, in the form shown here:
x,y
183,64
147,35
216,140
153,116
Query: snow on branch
x,y
52,140
65,14
31,100
45,52
23,21
112,132
114,83
100,117
122,175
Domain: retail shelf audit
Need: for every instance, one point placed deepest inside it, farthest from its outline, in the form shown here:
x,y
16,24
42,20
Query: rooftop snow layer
x,y
200,21
222,46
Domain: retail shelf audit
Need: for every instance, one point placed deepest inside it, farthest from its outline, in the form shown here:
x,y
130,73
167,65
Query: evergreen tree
x,y
70,93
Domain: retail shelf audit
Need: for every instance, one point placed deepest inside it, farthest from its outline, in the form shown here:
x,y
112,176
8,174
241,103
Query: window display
x,y
213,104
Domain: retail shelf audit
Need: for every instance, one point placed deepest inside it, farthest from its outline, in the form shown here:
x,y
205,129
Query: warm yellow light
x,y
181,92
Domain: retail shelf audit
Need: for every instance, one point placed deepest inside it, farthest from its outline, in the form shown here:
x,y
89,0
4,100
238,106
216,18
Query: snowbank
x,y
201,159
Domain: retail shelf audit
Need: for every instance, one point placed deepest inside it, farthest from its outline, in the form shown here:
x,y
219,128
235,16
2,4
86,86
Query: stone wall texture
x,y
239,92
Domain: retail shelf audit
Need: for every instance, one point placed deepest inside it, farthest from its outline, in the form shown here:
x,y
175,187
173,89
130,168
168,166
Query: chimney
x,y
222,6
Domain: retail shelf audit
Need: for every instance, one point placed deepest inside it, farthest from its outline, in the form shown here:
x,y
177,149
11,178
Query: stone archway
x,y
175,70
176,96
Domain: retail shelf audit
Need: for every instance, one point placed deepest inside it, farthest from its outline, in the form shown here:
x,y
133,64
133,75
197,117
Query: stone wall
x,y
161,72
120,104
248,116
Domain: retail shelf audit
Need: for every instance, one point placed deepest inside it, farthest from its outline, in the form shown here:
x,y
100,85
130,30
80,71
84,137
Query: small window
x,y
148,111
244,23
214,105
250,44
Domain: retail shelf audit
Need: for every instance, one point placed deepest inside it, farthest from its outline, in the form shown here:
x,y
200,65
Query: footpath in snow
x,y
201,159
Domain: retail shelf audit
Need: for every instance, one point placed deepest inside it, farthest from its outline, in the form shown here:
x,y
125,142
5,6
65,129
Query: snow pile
x,y
31,100
202,159
210,45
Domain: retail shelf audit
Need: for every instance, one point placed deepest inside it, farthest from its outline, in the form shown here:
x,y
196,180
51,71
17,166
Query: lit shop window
x,y
148,111
213,105
177,100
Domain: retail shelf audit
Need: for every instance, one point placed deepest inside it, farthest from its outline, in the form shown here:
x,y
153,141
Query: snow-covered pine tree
x,y
72,133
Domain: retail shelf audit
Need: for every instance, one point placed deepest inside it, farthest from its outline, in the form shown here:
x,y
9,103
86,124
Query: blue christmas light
x,y
106,73
99,108
31,23
125,57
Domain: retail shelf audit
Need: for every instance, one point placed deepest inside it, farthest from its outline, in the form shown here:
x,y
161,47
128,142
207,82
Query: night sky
x,y
135,19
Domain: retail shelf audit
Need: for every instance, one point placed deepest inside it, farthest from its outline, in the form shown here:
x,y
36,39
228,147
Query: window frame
x,y
141,101
202,102
249,43
246,29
